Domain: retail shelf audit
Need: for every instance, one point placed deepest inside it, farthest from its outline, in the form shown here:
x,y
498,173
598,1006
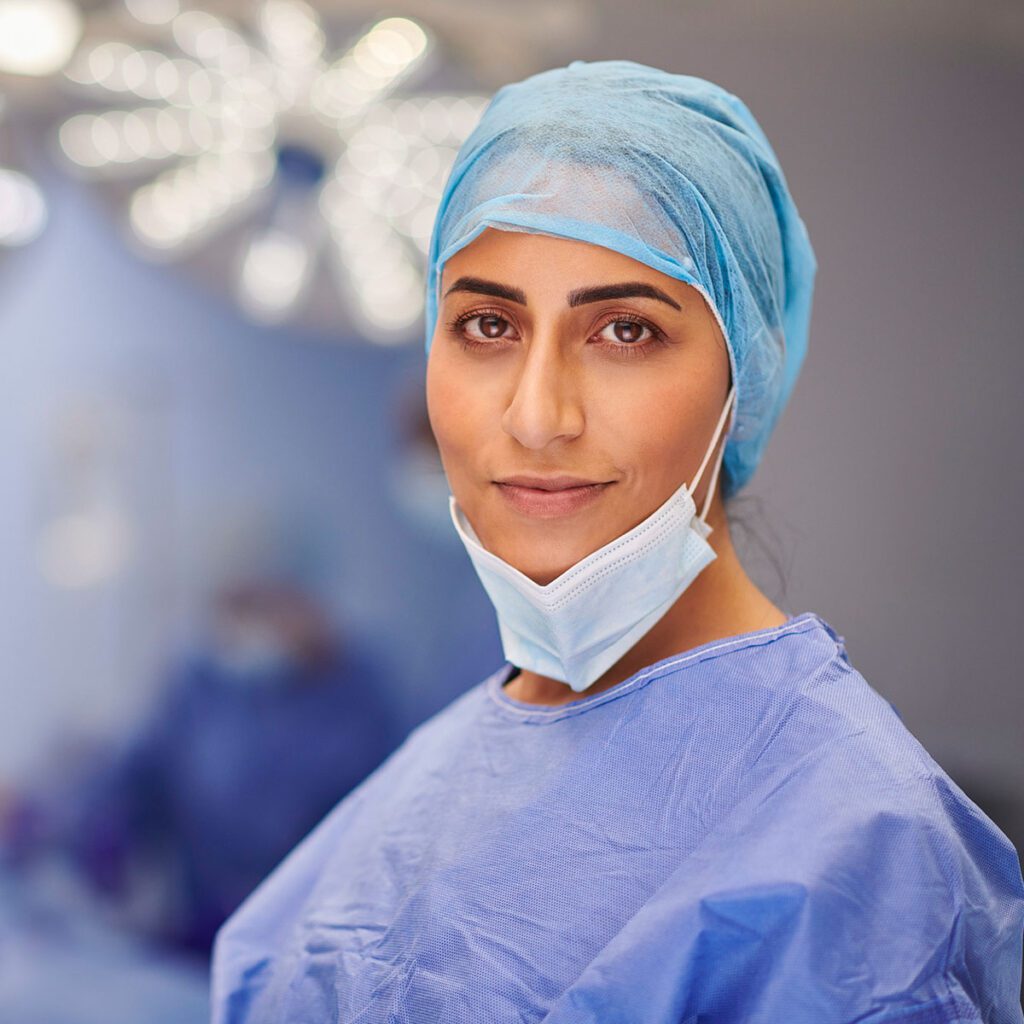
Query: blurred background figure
x,y
269,720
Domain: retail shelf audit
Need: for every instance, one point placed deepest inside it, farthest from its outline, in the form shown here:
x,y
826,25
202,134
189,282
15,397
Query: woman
x,y
677,802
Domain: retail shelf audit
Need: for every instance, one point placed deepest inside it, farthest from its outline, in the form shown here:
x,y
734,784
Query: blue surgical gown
x,y
742,833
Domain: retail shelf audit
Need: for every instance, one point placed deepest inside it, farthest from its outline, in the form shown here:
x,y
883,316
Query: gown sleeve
x,y
840,892
252,946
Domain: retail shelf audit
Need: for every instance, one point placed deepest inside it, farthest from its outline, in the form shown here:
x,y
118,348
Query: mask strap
x,y
708,453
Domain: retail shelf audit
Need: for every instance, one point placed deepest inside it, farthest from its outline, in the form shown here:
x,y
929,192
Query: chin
x,y
543,549
544,561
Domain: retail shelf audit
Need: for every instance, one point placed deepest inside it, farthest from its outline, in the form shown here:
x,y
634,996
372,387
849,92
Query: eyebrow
x,y
577,297
627,290
482,287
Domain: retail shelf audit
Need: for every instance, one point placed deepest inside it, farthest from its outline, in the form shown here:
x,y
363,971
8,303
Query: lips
x,y
548,497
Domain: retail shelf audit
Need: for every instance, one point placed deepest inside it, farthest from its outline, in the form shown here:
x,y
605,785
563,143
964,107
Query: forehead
x,y
541,263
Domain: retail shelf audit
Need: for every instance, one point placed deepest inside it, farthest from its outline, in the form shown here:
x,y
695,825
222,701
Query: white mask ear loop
x,y
707,456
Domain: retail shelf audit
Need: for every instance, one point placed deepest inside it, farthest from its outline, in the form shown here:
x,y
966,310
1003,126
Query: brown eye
x,y
625,332
484,327
492,326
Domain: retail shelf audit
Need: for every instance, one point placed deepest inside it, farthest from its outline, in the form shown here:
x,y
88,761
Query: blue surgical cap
x,y
670,170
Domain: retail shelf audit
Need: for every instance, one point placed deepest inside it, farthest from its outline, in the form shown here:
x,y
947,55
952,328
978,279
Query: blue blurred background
x,y
223,535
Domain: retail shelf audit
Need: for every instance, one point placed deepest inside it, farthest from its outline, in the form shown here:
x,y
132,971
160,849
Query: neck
x,y
721,602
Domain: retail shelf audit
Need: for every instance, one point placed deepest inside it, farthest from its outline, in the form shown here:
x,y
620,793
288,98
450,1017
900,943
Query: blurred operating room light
x,y
153,12
334,165
274,269
390,51
190,200
37,36
293,34
22,209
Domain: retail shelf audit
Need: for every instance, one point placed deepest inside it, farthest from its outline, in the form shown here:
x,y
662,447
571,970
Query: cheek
x,y
454,409
654,420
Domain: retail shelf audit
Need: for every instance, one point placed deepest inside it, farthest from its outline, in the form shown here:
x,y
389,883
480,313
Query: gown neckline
x,y
526,712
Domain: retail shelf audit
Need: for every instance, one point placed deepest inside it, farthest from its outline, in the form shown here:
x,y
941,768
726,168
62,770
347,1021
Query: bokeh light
x,y
22,209
37,36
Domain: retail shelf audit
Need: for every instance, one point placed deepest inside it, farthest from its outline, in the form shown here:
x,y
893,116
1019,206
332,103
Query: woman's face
x,y
571,390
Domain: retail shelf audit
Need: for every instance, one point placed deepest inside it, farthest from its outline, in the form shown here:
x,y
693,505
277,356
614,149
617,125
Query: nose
x,y
546,404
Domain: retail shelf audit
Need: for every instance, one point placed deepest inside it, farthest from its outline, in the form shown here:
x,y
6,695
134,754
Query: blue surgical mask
x,y
579,625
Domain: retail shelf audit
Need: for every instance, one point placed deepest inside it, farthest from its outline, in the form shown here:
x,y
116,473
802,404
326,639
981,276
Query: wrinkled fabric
x,y
670,170
744,832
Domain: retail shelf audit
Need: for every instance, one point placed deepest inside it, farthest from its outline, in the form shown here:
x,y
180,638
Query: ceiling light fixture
x,y
331,163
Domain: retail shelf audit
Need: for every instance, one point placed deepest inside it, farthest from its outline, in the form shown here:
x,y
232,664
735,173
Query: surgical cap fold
x,y
670,170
